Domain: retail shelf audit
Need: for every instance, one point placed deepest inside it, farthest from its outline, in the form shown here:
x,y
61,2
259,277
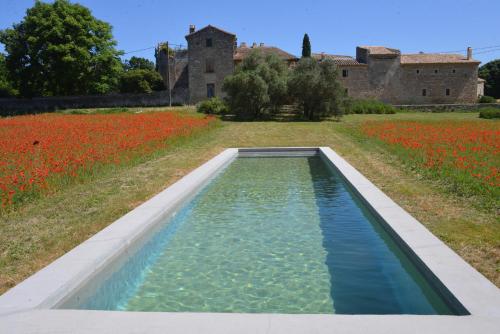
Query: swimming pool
x,y
270,235
309,262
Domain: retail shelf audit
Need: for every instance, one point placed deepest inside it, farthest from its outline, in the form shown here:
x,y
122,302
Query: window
x,y
209,43
418,71
210,90
209,65
453,71
435,71
424,92
346,91
447,92
345,73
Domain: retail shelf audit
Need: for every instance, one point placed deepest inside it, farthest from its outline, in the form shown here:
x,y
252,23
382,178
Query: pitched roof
x,y
435,58
380,50
210,27
243,51
338,59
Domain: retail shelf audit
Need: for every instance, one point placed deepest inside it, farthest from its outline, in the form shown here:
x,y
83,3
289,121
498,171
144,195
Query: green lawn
x,y
37,233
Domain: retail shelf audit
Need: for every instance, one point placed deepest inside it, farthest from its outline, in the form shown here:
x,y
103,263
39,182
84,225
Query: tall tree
x,y
306,46
491,73
6,89
59,48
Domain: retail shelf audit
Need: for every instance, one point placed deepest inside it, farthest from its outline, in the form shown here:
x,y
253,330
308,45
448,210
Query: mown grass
x,y
39,232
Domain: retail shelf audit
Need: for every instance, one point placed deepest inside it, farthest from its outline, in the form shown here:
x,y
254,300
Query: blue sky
x,y
333,26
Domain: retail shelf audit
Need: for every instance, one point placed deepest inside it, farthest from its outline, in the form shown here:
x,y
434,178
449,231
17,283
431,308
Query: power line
x,y
481,48
488,51
152,47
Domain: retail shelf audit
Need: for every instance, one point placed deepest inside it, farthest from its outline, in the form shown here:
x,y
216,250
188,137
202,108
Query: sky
x,y
334,26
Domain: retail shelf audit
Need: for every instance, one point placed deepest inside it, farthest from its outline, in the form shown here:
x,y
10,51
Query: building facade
x,y
376,72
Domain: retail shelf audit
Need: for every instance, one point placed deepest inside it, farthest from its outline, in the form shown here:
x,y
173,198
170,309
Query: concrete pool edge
x,y
33,298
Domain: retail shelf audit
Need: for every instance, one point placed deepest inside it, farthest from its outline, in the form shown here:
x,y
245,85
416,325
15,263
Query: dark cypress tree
x,y
306,47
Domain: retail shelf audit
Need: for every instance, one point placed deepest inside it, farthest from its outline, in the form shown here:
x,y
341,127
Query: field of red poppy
x,y
464,154
41,153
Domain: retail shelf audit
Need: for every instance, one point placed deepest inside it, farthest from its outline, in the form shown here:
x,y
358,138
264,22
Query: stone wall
x,y
459,79
388,80
220,55
356,82
46,104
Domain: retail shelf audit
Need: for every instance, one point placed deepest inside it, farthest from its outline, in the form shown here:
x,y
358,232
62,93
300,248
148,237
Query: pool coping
x,y
24,308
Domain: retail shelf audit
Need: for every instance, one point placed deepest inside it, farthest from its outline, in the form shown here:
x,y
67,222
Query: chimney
x,y
469,53
192,28
243,45
254,45
261,44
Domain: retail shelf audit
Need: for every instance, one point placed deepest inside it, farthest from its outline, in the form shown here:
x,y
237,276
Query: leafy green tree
x,y
316,88
141,81
247,94
6,89
267,76
491,73
59,48
139,63
306,46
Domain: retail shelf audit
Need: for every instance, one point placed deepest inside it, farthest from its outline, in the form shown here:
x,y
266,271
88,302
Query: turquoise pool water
x,y
271,235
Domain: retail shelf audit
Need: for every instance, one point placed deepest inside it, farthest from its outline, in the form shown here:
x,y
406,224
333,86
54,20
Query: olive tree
x,y
315,86
259,84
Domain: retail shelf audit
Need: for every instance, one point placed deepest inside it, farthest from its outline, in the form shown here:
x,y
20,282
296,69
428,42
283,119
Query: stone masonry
x,y
376,72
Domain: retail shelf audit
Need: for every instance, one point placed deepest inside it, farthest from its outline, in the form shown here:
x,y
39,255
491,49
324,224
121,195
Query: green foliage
x,y
6,89
259,84
306,46
487,99
215,106
59,48
246,94
138,63
141,81
489,113
316,88
369,107
491,73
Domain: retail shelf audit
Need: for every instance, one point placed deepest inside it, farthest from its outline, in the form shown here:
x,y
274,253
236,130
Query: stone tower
x,y
210,60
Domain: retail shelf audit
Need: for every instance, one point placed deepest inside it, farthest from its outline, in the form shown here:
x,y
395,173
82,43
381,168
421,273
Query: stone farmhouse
x,y
376,72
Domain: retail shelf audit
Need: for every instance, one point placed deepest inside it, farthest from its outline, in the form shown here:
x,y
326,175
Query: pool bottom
x,y
271,235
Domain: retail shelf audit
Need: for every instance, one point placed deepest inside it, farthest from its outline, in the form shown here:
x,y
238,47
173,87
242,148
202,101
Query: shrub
x,y
489,113
370,107
214,106
487,99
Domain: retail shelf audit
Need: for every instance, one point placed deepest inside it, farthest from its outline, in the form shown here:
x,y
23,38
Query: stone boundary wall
x,y
14,106
447,107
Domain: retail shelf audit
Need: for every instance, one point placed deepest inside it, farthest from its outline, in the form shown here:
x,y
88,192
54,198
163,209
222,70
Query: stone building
x,y
383,73
376,72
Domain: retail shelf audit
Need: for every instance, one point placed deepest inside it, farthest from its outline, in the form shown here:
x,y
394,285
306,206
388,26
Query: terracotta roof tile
x,y
243,51
338,59
380,50
435,58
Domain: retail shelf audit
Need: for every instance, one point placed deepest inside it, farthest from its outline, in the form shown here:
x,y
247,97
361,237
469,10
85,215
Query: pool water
x,y
271,235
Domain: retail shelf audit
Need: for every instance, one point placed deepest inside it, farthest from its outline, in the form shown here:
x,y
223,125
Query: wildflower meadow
x,y
40,153
464,153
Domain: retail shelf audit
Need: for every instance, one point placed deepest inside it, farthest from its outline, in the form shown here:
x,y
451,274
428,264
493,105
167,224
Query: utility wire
x,y
152,47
